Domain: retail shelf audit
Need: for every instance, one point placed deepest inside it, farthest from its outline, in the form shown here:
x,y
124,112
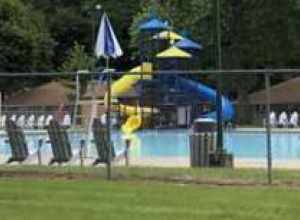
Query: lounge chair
x,y
21,121
40,121
13,117
48,119
3,121
283,121
67,121
294,119
30,121
60,144
101,142
16,139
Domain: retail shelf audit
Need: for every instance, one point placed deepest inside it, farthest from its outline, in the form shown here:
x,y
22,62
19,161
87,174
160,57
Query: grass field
x,y
55,193
79,199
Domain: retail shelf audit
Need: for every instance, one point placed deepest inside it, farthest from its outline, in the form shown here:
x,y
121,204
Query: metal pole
x,y
108,120
268,128
76,101
81,156
0,105
219,78
39,154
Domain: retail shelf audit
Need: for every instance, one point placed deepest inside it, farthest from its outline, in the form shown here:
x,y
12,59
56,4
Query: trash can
x,y
202,142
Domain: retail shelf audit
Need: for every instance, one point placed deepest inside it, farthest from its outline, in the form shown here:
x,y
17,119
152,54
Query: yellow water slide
x,y
125,84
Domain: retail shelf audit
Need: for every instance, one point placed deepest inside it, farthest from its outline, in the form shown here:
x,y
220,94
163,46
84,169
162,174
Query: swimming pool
x,y
175,143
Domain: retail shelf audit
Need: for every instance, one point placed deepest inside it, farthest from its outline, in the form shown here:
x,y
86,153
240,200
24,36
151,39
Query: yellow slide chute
x,y
125,84
132,124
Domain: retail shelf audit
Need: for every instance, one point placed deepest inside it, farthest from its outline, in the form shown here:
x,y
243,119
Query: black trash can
x,y
202,142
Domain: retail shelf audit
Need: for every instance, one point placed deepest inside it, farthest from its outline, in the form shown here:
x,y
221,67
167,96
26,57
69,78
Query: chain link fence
x,y
153,118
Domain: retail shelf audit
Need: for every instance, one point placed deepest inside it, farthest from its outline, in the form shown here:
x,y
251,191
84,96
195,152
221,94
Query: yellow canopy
x,y
168,35
173,52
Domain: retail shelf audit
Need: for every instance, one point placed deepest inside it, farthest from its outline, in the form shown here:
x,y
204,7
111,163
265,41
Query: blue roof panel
x,y
188,44
154,24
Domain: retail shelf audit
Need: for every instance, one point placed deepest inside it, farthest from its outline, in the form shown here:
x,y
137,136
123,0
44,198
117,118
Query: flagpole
x,y
108,119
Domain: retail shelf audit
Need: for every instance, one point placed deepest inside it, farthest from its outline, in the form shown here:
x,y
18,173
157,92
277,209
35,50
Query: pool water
x,y
175,143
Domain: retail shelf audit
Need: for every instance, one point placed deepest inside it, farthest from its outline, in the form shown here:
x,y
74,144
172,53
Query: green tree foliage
x,y
78,20
78,59
25,42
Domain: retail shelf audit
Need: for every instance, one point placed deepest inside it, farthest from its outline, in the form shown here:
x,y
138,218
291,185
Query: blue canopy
x,y
154,24
188,44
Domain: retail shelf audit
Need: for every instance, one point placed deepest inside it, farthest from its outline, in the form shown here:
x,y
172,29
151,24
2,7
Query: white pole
x,y
76,100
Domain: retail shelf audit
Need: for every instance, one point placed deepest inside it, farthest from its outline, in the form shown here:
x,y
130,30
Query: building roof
x,y
174,52
287,92
188,44
168,35
49,94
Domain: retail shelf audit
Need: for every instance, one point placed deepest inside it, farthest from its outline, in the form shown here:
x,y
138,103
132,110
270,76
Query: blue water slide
x,y
206,94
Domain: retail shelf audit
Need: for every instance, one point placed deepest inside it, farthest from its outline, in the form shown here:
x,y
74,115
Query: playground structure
x,y
180,50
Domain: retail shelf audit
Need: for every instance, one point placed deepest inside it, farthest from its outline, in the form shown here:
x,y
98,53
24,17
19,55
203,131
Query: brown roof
x,y
287,92
50,94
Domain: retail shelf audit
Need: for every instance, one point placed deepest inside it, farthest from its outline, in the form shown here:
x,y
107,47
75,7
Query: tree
x,y
78,20
25,43
78,60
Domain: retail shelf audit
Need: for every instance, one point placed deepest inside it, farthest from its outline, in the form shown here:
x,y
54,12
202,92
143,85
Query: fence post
x,y
108,125
39,155
82,145
268,127
127,143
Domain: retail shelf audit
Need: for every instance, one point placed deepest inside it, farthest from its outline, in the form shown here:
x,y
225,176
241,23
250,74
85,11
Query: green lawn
x,y
142,200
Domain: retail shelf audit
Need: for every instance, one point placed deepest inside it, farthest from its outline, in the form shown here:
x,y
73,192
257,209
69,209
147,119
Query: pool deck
x,y
238,163
262,130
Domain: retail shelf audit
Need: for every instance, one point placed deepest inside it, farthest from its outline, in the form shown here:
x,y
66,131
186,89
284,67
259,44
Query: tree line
x,y
51,35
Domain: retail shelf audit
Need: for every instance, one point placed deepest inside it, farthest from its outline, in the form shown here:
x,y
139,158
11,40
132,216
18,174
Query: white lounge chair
x,y
67,121
13,117
283,120
40,121
294,119
103,119
273,119
30,121
3,121
48,119
21,121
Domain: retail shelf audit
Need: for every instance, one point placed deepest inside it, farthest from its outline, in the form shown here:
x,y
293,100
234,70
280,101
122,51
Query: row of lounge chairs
x,y
60,144
33,121
284,120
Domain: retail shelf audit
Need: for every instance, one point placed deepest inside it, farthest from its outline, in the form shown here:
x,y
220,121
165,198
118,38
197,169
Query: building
x,y
284,96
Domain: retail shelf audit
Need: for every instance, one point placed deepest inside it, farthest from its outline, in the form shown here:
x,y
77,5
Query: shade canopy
x,y
188,44
287,92
153,24
107,44
49,94
168,35
173,52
